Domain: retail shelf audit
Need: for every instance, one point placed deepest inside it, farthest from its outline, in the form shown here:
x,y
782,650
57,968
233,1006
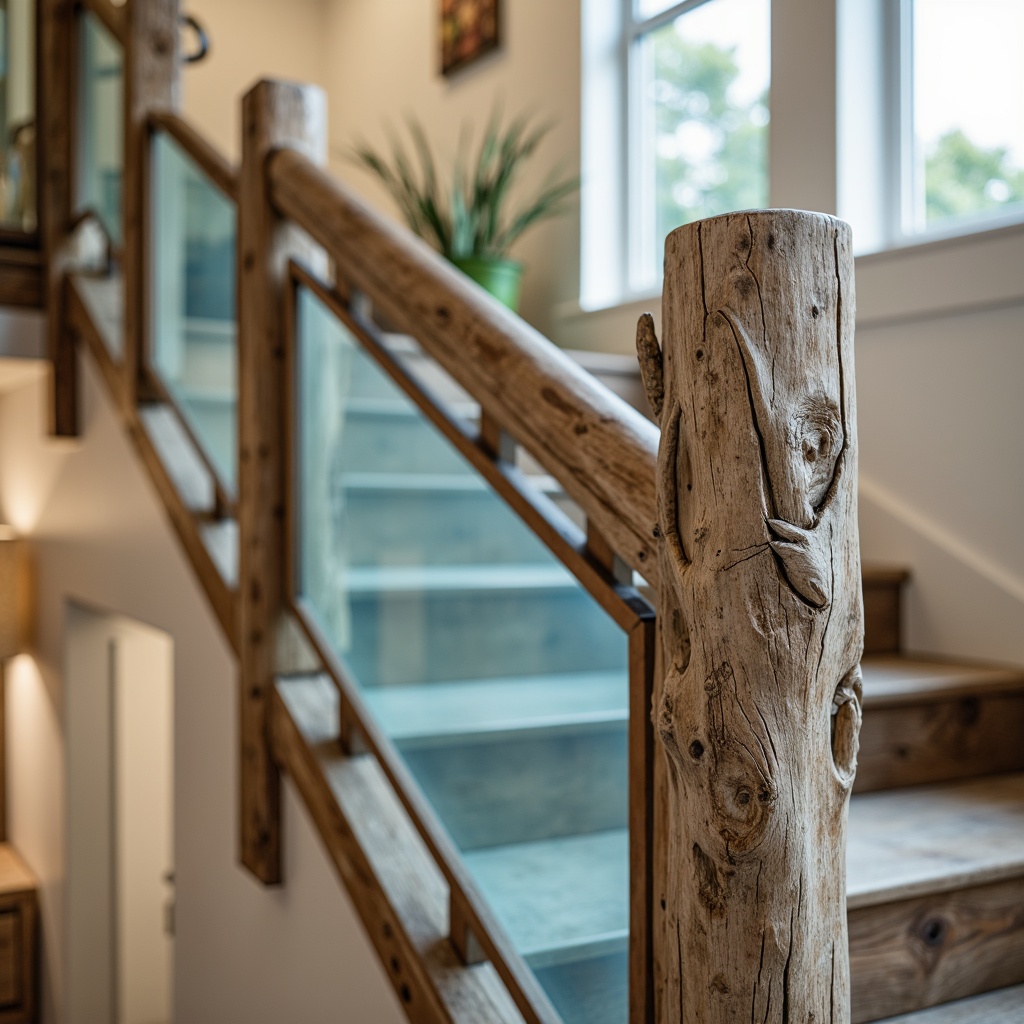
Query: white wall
x,y
244,954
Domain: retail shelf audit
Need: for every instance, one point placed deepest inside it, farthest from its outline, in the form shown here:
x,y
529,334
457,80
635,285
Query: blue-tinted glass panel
x,y
194,327
101,125
499,679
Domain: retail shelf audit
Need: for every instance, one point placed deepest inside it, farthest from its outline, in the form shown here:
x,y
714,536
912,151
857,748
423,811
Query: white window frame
x,y
618,258
881,173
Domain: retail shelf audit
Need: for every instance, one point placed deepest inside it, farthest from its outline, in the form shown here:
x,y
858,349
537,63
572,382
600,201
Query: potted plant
x,y
474,220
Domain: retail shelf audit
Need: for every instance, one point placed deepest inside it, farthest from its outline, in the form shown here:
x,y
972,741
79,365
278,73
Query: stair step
x,y
935,883
432,519
558,893
468,622
928,720
435,713
883,626
1003,1006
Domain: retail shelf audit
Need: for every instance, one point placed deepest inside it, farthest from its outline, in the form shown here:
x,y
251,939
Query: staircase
x,y
443,602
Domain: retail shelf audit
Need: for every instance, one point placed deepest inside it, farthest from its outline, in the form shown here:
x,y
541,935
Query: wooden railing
x,y
743,526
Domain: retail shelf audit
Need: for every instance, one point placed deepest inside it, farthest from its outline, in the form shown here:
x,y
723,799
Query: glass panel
x,y
101,136
968,109
501,682
17,115
704,120
194,328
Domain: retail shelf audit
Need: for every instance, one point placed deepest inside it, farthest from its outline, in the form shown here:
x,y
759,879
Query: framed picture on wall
x,y
469,29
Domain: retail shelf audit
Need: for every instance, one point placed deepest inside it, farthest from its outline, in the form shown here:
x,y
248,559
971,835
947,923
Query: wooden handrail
x,y
114,18
601,450
203,153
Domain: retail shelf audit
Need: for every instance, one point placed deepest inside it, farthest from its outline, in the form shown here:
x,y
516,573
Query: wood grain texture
x,y
761,618
56,105
151,73
274,114
22,278
395,886
19,940
1003,1006
600,449
933,839
213,164
916,953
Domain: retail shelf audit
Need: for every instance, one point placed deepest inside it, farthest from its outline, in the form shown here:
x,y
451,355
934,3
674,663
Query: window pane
x,y
705,98
968,108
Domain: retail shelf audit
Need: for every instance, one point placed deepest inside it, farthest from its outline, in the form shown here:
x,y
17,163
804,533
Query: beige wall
x,y
244,954
249,40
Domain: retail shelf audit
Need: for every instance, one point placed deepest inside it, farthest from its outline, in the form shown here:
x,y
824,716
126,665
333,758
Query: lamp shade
x,y
15,594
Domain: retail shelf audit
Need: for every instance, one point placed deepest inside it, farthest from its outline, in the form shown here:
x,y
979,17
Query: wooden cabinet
x,y
19,941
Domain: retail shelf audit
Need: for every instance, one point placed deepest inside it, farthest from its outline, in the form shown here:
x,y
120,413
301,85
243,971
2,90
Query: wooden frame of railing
x,y
290,214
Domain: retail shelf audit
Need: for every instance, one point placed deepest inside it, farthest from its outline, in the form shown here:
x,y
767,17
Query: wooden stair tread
x,y
880,574
904,679
902,844
180,459
417,579
489,707
1003,1006
103,298
394,884
221,540
931,839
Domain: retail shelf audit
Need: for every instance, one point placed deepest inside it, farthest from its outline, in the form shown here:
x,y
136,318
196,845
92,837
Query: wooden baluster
x,y
55,116
758,710
274,114
151,78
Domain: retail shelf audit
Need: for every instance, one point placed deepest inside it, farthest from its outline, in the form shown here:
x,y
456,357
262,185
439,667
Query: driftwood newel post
x,y
761,613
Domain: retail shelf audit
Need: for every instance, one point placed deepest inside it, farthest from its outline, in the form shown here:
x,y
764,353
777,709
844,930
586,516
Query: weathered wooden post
x,y
761,614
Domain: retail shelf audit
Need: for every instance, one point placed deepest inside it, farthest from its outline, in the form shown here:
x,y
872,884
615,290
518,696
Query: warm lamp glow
x,y
15,594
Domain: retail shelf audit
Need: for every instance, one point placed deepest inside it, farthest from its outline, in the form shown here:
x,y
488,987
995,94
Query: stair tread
x,y
554,893
488,707
903,843
179,457
1002,1006
453,578
929,839
899,679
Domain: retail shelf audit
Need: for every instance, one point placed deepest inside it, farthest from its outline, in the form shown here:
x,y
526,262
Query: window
x,y
962,108
692,84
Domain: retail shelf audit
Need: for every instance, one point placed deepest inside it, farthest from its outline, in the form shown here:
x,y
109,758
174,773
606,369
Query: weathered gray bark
x,y
761,614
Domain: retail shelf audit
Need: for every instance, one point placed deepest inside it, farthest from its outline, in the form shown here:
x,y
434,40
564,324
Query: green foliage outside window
x,y
962,179
694,88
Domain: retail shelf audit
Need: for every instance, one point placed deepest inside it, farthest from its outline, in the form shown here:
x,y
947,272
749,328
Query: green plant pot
x,y
502,278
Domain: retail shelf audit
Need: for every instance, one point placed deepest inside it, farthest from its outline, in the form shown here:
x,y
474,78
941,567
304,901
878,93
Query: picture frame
x,y
469,29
